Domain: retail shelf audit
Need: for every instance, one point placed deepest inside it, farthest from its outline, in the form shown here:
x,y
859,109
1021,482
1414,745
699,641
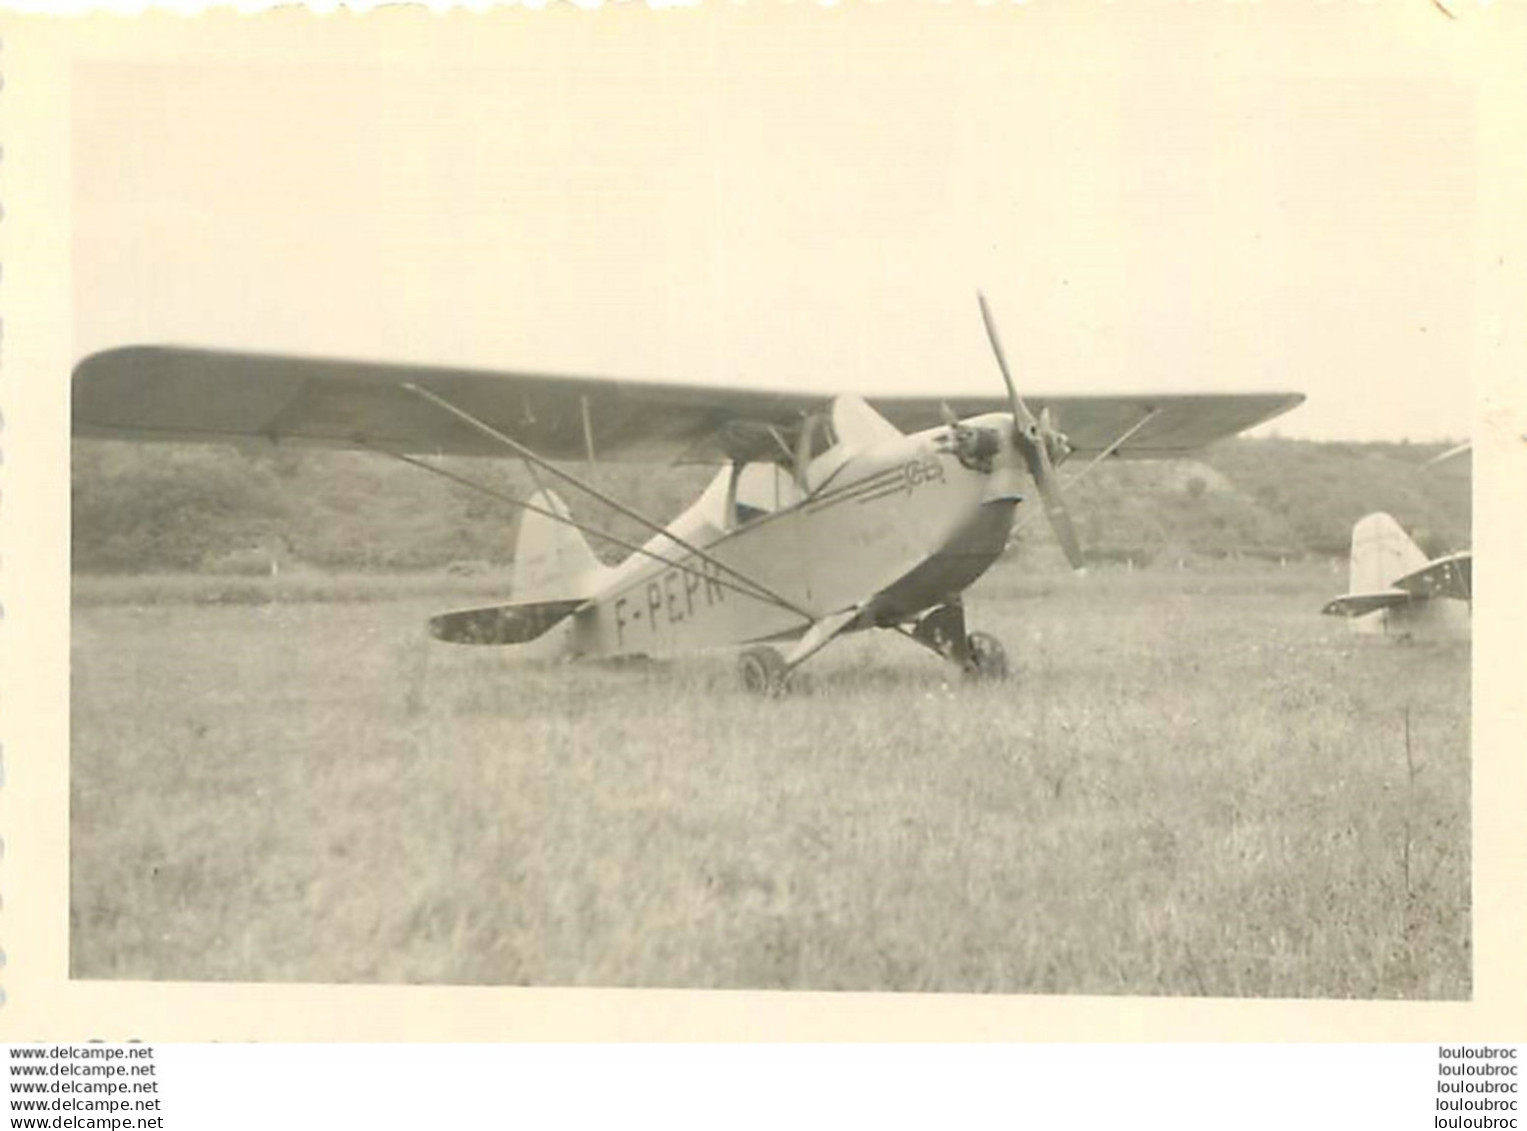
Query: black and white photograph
x,y
896,499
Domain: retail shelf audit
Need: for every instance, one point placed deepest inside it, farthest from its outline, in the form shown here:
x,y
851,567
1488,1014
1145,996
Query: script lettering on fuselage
x,y
897,479
673,596
928,469
885,527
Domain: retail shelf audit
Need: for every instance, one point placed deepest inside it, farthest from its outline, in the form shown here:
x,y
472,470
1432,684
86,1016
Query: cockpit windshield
x,y
760,489
753,488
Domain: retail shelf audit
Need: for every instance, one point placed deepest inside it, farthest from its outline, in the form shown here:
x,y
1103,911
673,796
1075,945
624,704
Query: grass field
x,y
1193,786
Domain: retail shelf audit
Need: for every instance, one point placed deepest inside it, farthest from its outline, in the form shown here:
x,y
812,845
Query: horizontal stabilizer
x,y
1361,604
1452,576
501,624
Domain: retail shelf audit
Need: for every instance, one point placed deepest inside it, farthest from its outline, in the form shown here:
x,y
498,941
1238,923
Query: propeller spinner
x,y
1041,445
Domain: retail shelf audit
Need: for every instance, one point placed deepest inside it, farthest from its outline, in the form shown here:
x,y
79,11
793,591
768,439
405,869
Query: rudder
x,y
1381,552
552,560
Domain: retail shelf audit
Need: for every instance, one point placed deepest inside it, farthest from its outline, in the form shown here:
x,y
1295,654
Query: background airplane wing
x,y
180,394
1451,576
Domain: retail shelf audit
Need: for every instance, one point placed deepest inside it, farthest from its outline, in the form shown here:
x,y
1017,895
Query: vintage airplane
x,y
1395,591
825,517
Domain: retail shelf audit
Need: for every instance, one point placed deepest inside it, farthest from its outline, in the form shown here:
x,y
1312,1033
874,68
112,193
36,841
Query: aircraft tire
x,y
987,658
763,670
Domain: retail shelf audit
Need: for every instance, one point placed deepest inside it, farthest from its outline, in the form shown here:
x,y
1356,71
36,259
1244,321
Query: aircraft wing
x,y
1450,576
181,394
178,393
1178,424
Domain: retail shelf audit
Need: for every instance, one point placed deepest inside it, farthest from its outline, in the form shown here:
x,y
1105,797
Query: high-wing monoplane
x,y
826,515
1394,590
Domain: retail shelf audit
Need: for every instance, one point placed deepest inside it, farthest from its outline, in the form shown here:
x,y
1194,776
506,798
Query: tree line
x,y
157,508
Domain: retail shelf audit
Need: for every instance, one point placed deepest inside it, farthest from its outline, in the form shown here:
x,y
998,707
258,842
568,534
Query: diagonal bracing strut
x,y
1092,463
756,589
1115,446
592,531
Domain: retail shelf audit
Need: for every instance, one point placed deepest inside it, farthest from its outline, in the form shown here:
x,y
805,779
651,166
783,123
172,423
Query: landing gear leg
x,y
763,670
978,655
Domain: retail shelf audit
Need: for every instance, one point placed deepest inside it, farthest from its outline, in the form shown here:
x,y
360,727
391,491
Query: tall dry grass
x,y
1194,785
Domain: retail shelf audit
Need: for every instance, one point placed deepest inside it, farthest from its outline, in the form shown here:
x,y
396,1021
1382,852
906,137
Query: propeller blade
x,y
1060,517
1022,417
1032,439
1036,453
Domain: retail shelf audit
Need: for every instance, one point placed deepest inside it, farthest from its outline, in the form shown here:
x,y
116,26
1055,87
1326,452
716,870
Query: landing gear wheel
x,y
763,670
985,658
979,655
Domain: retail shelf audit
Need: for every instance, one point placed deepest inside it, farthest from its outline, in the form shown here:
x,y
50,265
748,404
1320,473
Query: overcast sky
x,y
1174,197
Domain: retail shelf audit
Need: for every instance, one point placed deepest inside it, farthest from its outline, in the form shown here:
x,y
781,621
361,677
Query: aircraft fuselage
x,y
903,525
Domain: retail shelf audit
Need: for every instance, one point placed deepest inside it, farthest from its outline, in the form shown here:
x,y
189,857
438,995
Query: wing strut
x,y
759,590
820,634
1097,459
588,427
592,531
1113,447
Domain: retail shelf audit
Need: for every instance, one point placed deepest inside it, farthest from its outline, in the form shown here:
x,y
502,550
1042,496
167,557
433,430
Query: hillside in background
x,y
165,508
1271,499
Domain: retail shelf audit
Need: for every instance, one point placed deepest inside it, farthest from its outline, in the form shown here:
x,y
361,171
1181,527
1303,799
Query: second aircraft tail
x,y
1381,553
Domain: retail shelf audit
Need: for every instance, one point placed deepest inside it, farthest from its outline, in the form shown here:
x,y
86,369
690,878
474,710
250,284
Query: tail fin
x,y
552,561
554,571
1381,553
